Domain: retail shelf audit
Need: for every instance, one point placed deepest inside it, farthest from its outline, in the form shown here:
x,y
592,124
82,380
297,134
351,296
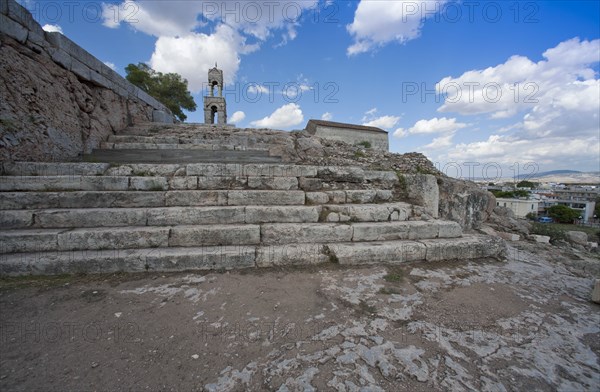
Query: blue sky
x,y
517,81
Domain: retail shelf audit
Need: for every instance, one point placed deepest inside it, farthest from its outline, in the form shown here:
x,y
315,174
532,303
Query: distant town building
x,y
521,207
215,107
377,138
580,198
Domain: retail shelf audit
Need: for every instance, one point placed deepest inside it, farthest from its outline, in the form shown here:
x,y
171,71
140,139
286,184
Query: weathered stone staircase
x,y
200,143
105,217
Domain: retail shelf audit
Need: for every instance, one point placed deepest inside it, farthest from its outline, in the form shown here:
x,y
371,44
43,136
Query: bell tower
x,y
215,108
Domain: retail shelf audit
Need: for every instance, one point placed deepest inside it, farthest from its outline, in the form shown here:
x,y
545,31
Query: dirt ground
x,y
525,324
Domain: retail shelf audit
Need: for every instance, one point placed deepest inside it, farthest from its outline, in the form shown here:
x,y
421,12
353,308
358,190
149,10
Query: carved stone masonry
x,y
215,107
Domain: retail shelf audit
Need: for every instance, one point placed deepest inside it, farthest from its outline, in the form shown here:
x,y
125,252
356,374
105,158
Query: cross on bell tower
x,y
215,105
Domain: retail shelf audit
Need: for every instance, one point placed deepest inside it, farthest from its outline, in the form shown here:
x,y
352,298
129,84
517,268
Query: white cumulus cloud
x,y
237,117
377,23
181,48
255,88
440,142
194,54
384,122
553,92
286,116
110,65
157,18
327,116
555,103
52,28
434,125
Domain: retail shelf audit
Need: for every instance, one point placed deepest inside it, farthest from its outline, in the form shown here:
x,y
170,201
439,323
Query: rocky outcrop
x,y
577,237
464,202
503,218
56,100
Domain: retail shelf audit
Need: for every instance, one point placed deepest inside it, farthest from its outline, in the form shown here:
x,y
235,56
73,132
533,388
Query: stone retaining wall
x,y
57,101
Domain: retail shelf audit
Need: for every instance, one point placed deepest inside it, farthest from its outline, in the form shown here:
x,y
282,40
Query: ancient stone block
x,y
341,173
389,177
16,219
104,184
196,198
28,200
305,233
22,241
113,238
195,216
214,235
216,182
273,183
282,214
265,198
111,199
183,183
310,184
90,217
380,231
361,196
448,229
202,258
42,183
422,230
423,190
148,183
390,252
290,254
54,169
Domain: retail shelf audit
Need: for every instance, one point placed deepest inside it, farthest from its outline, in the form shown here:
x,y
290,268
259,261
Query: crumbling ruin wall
x,y
57,101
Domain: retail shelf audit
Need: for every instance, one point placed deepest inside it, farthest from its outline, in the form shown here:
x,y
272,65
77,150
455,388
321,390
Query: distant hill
x,y
566,177
548,173
557,176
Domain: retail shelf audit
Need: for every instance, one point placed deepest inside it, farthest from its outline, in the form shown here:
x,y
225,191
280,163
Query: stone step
x,y
204,169
191,191
178,156
411,230
68,169
209,148
95,238
128,260
174,198
175,143
210,215
246,256
155,183
468,247
286,233
38,240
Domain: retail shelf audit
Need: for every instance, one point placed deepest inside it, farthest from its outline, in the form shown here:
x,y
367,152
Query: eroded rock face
x,y
423,190
48,114
577,237
464,202
503,218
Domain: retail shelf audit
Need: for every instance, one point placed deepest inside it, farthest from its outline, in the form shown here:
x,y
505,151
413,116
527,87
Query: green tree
x,y
526,184
511,194
170,88
563,214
